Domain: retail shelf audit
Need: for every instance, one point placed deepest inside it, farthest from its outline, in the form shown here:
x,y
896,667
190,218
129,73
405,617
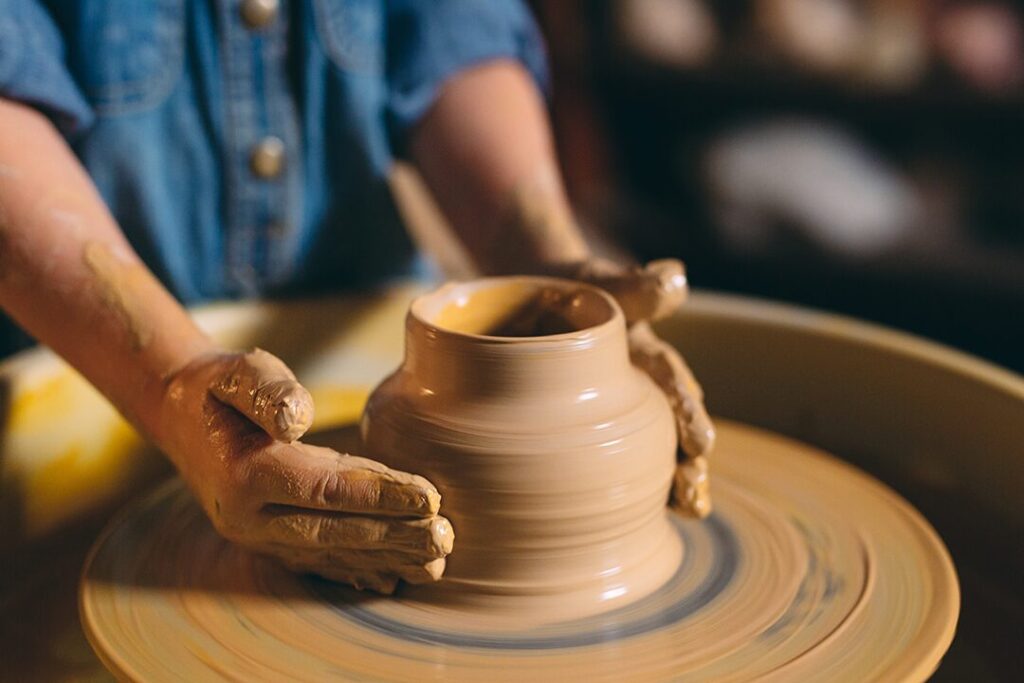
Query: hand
x,y
646,294
229,421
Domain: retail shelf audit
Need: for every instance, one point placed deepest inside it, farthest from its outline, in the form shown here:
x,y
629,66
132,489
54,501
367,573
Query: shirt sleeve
x,y
428,41
32,68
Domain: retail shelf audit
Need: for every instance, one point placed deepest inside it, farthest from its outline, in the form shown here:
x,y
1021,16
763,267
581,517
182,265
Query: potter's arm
x,y
486,152
69,277
226,420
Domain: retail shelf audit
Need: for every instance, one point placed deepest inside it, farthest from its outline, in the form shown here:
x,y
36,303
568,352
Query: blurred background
x,y
861,156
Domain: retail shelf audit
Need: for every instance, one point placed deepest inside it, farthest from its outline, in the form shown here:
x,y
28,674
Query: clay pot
x,y
552,453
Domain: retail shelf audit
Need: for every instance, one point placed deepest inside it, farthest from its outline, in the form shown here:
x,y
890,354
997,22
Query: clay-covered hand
x,y
648,293
229,422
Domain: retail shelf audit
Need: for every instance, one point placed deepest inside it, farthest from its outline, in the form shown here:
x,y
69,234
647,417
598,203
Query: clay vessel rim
x,y
449,292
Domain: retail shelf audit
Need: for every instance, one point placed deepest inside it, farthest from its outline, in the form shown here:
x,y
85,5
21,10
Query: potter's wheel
x,y
808,570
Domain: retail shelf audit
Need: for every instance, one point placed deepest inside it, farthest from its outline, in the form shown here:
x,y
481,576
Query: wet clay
x,y
649,293
553,454
691,488
264,389
807,570
339,516
669,371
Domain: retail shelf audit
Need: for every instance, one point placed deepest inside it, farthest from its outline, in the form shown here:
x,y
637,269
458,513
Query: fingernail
x,y
428,573
410,499
293,415
671,285
384,585
442,536
432,501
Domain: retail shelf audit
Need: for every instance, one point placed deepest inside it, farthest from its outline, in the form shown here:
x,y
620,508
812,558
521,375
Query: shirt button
x,y
245,276
267,158
257,14
278,229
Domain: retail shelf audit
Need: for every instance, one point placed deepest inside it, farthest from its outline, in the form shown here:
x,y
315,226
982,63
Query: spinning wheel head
x,y
807,570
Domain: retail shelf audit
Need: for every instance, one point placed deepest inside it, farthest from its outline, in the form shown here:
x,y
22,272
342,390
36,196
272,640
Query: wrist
x,y
162,380
535,229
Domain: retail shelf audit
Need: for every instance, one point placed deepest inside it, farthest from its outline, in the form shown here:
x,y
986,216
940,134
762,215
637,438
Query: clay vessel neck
x,y
449,353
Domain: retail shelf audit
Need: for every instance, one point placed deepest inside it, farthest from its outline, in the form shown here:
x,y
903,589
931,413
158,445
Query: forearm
x,y
70,278
485,151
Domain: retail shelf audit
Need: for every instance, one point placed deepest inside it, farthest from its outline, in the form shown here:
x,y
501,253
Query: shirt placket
x,y
262,139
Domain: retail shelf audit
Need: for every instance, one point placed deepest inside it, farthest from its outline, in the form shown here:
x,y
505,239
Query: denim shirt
x,y
244,145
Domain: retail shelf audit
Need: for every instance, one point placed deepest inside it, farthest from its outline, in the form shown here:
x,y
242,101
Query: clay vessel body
x,y
553,454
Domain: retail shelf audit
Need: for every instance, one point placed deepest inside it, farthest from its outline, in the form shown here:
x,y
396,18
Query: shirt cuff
x,y
429,41
32,67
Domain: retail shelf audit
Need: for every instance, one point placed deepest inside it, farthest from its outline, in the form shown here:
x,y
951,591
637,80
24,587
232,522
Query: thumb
x,y
651,292
261,387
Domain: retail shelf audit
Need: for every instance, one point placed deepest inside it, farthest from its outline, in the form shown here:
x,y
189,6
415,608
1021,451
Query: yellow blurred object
x,y
66,451
79,477
338,406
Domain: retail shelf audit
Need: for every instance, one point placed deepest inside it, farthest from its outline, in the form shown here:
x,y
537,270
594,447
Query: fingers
x,y
261,387
382,582
306,476
651,292
364,569
691,488
408,568
347,518
385,584
365,552
421,539
669,371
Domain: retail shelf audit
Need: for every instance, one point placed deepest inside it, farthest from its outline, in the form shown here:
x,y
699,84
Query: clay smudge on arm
x,y
266,391
122,284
